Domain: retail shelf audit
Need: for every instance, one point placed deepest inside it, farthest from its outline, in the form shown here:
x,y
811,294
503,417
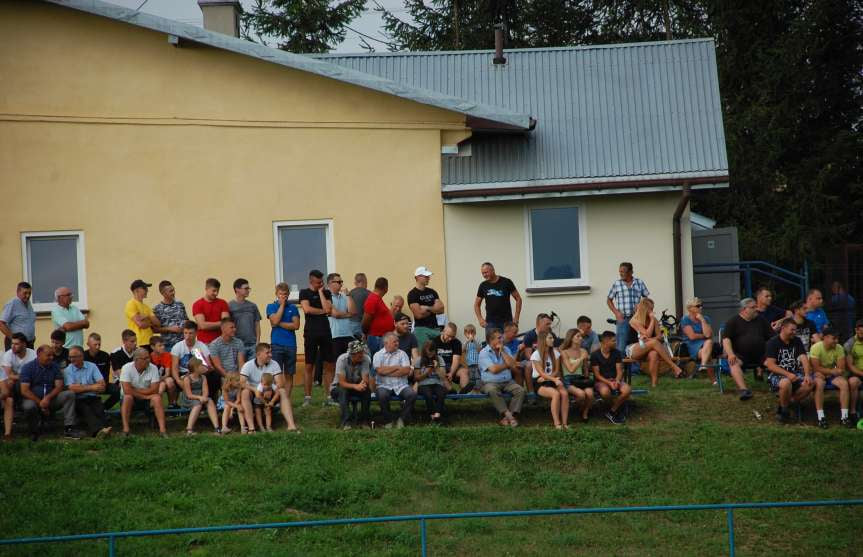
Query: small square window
x,y
52,260
555,247
300,247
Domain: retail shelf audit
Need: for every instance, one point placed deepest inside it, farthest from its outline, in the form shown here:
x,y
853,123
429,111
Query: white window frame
x,y
82,271
582,249
277,251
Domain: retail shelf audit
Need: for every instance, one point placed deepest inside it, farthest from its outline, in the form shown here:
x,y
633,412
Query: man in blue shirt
x,y
18,316
496,365
42,390
285,319
815,310
85,380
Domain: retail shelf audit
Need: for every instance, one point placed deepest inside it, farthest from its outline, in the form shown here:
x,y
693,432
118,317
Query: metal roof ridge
x,y
478,112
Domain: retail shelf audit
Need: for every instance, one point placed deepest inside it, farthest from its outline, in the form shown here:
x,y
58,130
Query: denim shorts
x,y
775,378
286,357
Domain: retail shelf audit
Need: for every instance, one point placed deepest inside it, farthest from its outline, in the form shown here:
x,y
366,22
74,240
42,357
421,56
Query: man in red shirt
x,y
377,319
209,312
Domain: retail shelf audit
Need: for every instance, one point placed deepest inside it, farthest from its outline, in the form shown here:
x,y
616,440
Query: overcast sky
x,y
188,11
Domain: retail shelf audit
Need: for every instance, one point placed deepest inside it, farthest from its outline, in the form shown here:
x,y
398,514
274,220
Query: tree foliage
x,y
301,26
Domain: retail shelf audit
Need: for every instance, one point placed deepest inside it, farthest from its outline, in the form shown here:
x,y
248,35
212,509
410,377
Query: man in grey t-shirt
x,y
359,294
247,317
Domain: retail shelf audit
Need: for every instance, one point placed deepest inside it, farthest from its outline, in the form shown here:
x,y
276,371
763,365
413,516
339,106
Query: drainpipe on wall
x,y
678,250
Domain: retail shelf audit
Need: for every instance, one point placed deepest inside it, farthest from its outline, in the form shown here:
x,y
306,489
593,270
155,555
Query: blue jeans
x,y
622,331
374,344
286,357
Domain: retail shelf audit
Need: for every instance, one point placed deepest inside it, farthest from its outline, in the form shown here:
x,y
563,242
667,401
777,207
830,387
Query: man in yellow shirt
x,y
828,361
139,316
854,364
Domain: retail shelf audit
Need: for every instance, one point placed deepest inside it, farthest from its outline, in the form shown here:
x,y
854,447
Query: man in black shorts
x,y
607,367
788,363
317,339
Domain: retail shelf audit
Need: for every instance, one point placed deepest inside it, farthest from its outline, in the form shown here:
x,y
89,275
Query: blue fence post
x,y
112,548
423,539
730,514
747,281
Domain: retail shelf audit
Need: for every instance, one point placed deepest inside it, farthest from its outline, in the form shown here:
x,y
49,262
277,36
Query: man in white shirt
x,y
139,380
393,367
190,347
251,375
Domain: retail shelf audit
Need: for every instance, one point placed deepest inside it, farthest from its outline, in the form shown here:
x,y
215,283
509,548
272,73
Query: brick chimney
x,y
221,16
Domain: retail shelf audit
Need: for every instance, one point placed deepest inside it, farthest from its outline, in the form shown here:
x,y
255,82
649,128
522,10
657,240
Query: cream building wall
x,y
176,162
635,228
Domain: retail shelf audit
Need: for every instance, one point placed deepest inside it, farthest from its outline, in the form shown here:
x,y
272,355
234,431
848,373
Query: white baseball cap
x,y
422,271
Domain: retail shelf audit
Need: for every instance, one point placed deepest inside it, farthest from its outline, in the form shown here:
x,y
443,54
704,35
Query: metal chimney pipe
x,y
498,44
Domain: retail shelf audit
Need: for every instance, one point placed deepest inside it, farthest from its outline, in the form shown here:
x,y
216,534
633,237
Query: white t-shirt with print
x,y
549,363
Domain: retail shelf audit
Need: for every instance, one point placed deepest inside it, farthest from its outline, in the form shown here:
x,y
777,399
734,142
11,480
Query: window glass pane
x,y
554,238
303,248
53,263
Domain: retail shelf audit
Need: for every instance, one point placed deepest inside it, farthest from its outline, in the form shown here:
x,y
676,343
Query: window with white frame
x,y
300,247
556,247
52,260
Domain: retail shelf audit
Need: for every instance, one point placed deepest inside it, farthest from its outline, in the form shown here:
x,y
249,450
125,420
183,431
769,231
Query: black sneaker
x,y
845,422
72,433
613,418
822,423
783,416
853,418
745,394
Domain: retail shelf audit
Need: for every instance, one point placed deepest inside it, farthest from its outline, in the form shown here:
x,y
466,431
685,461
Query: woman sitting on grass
x,y
574,363
649,346
430,376
196,396
231,398
547,381
699,336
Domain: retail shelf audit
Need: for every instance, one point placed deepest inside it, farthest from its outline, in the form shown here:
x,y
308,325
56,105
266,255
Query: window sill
x,y
547,290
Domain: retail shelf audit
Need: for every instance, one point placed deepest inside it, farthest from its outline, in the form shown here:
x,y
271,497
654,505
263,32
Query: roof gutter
x,y
591,186
678,249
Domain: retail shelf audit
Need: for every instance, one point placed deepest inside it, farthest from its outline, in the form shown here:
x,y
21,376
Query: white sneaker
x,y
400,423
307,401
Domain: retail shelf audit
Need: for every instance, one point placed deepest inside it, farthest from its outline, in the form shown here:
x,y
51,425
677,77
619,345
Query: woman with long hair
x,y
649,346
574,363
547,381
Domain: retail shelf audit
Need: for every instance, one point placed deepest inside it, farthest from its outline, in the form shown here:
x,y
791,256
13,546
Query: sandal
x,y
505,421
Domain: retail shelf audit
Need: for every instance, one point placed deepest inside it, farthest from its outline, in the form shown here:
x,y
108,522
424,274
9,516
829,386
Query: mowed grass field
x,y
684,443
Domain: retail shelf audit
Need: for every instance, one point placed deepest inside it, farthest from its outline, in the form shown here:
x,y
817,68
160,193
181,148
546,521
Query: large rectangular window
x,y
52,260
300,247
555,239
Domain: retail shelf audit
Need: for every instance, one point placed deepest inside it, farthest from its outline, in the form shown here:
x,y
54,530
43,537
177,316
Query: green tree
x,y
301,26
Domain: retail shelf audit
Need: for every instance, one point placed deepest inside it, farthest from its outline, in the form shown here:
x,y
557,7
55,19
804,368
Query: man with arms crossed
x,y
496,365
425,305
66,316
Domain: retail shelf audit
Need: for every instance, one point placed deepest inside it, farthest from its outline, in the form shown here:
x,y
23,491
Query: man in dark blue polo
x,y
42,391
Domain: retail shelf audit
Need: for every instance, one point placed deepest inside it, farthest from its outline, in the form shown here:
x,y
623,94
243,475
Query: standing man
x,y
42,391
359,294
227,352
828,361
815,309
171,314
209,311
341,326
393,370
744,339
66,316
18,316
624,295
140,380
285,321
397,305
496,365
788,364
139,317
377,319
316,304
246,316
496,291
426,305
83,379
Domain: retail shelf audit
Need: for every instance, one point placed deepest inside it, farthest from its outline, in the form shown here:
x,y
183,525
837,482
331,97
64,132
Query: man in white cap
x,y
426,305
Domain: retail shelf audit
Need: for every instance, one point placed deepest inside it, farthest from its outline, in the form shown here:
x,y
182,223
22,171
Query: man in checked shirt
x,y
624,295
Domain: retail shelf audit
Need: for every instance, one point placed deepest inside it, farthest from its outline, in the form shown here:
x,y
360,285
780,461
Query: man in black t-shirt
x,y
788,363
120,357
807,331
317,338
607,367
496,291
407,340
426,305
449,348
744,339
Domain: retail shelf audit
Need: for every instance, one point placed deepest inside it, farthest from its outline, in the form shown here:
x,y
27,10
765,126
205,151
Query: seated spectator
x,y
61,353
828,360
431,380
699,336
266,397
231,388
772,314
854,363
196,396
512,342
807,332
575,363
393,369
407,340
744,340
139,382
528,345
251,375
42,393
66,317
12,362
449,348
790,374
471,350
227,352
99,358
815,309
83,379
119,358
589,338
351,383
547,379
649,345
496,365
163,362
188,348
607,366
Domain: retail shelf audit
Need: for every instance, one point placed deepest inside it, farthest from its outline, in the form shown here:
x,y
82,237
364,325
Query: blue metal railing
x,y
423,519
746,268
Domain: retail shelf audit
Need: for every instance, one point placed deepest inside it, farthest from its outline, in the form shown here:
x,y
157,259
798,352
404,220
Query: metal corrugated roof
x,y
479,114
642,112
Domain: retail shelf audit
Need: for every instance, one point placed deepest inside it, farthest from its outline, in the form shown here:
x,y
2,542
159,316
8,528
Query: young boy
x,y
471,349
162,360
266,398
